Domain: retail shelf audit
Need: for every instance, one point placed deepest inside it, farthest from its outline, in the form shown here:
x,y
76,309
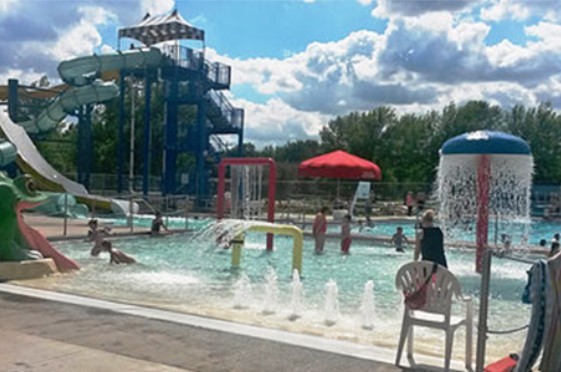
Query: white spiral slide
x,y
78,71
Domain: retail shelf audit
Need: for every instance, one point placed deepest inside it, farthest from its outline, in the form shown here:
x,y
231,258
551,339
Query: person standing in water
x,y
157,224
429,244
398,238
319,229
95,235
346,238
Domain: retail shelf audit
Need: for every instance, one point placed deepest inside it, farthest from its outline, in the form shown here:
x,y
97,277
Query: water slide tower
x,y
189,79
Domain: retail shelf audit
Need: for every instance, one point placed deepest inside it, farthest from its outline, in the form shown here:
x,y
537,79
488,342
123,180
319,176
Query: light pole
x,y
131,161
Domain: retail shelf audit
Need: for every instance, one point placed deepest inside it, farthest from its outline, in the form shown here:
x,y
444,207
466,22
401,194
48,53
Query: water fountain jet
x,y
296,295
331,303
242,294
367,306
271,292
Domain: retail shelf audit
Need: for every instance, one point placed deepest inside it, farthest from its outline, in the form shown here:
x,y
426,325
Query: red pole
x,y
271,199
482,227
271,194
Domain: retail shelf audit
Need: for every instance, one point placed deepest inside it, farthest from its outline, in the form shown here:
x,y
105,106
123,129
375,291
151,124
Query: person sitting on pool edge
x,y
117,257
429,244
157,224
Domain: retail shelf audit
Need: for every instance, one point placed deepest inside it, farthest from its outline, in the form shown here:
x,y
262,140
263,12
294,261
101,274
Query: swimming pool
x,y
185,273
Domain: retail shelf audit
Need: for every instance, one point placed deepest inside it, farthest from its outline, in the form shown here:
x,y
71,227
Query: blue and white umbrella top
x,y
486,142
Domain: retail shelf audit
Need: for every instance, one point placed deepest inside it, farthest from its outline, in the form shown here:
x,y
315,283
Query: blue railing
x,y
216,72
233,116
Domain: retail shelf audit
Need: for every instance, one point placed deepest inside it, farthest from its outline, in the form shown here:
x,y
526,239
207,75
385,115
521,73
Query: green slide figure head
x,y
20,241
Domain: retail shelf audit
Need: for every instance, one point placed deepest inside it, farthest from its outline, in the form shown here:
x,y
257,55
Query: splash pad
x,y
483,174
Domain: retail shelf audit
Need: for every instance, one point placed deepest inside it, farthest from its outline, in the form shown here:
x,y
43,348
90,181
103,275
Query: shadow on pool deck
x,y
113,335
41,335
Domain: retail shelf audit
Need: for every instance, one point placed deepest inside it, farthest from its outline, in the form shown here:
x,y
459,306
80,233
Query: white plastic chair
x,y
436,312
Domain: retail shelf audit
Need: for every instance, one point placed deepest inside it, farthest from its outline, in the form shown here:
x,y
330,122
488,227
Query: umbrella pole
x,y
338,182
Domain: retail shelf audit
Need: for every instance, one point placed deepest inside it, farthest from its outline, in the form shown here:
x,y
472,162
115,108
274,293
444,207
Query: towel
x,y
551,359
538,289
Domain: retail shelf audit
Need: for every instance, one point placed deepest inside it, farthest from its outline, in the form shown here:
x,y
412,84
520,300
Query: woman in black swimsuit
x,y
430,241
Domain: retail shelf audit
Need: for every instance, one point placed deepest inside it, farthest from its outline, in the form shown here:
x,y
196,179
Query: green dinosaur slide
x,y
20,241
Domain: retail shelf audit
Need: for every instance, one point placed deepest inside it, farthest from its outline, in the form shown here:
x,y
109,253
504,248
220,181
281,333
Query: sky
x,y
296,64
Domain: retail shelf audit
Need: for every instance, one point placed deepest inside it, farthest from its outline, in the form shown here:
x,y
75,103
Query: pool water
x,y
187,273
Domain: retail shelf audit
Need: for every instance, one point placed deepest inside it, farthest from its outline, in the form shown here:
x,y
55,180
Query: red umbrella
x,y
340,164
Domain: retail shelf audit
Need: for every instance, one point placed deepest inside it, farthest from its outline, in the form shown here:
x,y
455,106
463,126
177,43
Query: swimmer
x,y
398,238
117,257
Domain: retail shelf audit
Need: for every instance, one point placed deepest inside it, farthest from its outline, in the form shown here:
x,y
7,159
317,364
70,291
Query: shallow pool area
x,y
188,274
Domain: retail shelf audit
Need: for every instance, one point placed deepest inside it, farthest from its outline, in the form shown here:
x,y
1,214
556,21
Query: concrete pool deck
x,y
45,331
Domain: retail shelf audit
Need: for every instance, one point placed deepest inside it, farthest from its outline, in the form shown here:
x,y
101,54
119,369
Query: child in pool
x,y
95,235
117,257
346,238
398,238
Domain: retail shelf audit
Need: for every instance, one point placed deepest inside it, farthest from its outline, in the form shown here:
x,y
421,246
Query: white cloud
x,y
549,35
497,10
7,5
414,8
365,2
83,37
156,7
276,122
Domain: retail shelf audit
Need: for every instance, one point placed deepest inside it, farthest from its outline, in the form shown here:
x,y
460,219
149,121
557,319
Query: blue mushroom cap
x,y
486,142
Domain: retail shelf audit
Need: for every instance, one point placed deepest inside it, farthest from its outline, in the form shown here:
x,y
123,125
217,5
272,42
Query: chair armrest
x,y
466,299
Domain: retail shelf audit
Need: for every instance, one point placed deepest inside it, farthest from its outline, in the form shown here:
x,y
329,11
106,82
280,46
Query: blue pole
x,y
170,141
147,137
13,85
201,177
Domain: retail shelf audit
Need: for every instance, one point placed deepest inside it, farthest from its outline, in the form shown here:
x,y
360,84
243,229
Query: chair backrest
x,y
440,288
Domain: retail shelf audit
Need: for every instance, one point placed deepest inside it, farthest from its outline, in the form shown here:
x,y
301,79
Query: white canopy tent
x,y
156,29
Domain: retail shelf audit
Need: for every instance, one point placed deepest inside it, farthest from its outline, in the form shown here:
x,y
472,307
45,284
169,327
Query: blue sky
x,y
297,64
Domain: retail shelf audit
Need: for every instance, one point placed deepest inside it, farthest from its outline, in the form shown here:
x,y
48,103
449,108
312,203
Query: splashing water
x,y
367,306
243,291
509,193
223,231
271,292
331,302
247,184
296,296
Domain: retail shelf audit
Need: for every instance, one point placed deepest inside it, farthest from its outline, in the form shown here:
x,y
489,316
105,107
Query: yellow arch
x,y
295,232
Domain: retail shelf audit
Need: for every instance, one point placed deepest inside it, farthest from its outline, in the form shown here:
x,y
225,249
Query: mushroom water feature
x,y
480,173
